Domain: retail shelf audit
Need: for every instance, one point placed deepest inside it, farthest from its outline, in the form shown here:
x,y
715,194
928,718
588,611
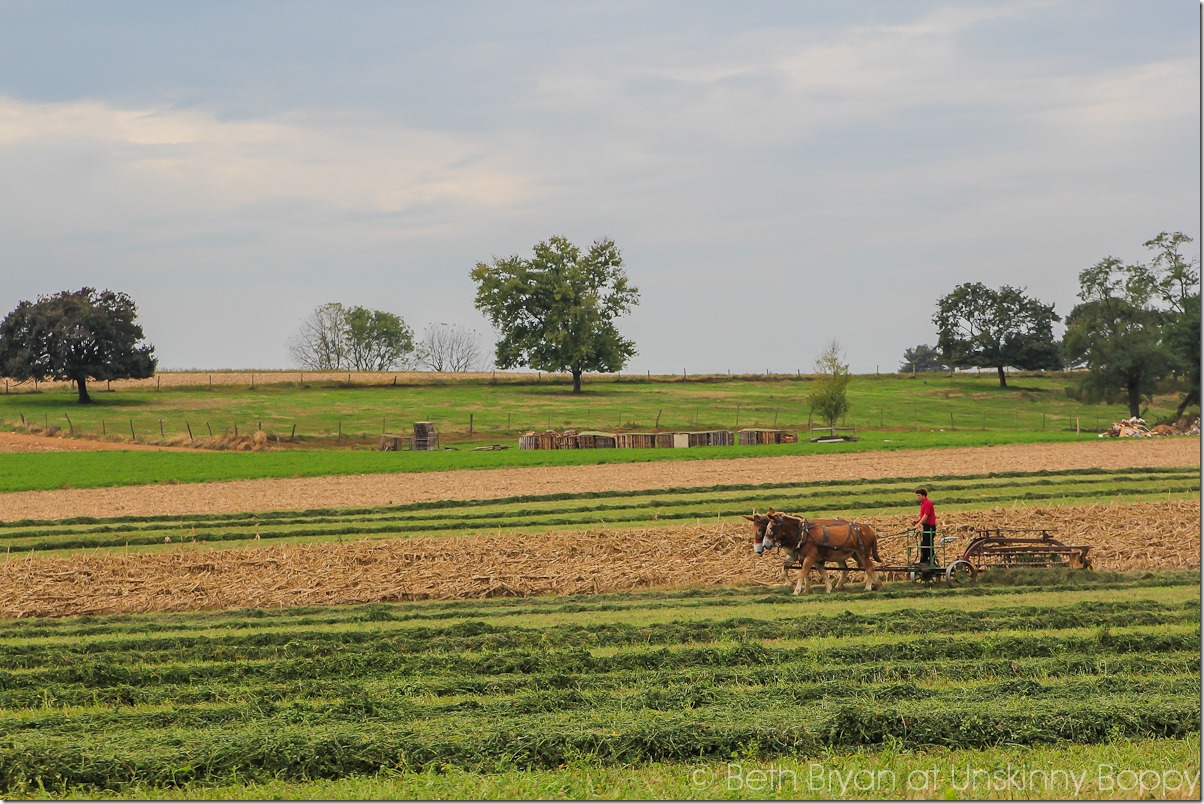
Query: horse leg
x,y
844,574
871,577
804,581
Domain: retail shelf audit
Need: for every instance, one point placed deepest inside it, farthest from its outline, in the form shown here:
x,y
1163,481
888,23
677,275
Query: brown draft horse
x,y
761,522
814,541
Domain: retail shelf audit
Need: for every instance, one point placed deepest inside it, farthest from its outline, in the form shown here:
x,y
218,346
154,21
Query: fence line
x,y
497,425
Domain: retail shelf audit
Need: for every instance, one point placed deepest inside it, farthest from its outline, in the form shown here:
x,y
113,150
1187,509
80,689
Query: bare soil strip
x,y
396,489
1145,536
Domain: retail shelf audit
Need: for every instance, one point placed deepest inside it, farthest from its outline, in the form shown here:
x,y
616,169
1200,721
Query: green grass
x,y
1034,404
652,508
649,694
1104,771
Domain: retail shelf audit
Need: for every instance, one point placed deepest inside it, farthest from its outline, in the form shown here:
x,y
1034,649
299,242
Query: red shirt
x,y
927,512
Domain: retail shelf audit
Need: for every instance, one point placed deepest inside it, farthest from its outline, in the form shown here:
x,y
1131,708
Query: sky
x,y
777,175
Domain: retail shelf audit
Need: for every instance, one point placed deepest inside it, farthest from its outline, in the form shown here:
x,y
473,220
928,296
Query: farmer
x,y
927,521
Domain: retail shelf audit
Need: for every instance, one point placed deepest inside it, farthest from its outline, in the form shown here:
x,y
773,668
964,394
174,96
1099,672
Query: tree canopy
x,y
922,358
336,338
829,393
979,326
451,347
1138,323
77,336
556,310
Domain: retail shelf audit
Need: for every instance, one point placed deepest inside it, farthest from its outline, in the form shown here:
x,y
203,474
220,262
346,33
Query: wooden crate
x,y
753,435
426,436
635,440
592,439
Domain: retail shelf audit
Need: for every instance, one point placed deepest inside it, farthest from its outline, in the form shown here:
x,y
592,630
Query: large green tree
x,y
556,310
1138,323
79,336
979,326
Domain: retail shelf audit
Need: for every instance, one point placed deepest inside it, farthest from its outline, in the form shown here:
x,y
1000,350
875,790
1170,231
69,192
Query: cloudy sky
x,y
776,174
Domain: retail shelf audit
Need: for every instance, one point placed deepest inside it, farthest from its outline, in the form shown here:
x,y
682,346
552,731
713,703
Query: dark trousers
x,y
927,535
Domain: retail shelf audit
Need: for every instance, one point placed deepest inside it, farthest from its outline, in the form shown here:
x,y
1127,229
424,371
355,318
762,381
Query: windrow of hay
x,y
1123,537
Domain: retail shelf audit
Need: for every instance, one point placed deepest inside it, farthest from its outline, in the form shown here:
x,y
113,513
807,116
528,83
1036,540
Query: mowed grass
x,y
644,509
650,695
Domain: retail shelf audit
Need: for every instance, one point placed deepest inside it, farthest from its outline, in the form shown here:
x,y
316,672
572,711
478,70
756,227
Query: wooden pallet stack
x,y
751,435
426,437
531,440
635,440
710,438
592,439
568,440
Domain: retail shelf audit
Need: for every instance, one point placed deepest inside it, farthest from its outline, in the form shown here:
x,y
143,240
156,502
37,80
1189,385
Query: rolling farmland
x,y
580,631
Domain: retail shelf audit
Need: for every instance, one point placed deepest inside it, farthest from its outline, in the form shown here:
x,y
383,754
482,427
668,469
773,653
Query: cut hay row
x,y
492,564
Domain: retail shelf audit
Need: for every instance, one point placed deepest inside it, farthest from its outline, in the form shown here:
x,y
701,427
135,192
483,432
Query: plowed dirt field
x,y
488,565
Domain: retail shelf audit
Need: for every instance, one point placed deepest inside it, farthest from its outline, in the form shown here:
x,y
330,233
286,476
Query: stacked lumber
x,y
664,440
426,437
567,440
635,440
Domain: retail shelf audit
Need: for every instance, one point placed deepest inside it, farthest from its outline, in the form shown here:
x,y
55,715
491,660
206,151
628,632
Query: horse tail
x,y
872,538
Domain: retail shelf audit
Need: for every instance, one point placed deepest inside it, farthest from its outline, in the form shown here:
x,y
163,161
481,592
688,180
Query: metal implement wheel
x,y
960,573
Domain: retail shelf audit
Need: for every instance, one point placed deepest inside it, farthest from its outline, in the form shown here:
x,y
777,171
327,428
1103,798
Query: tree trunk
x,y
1134,399
1191,398
576,381
82,384
1003,377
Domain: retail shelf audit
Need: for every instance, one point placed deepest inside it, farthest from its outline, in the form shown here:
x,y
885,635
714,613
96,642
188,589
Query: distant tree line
x,y
1135,325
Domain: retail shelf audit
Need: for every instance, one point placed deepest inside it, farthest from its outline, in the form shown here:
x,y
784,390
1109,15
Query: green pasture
x,y
608,509
1034,405
648,694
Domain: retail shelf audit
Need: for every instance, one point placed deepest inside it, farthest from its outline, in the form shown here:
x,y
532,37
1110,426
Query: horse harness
x,y
826,543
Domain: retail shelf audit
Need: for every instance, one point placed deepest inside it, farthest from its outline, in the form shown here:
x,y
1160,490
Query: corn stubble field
x,y
594,643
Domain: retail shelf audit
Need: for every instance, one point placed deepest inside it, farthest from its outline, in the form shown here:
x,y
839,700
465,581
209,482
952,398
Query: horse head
x,y
783,531
760,524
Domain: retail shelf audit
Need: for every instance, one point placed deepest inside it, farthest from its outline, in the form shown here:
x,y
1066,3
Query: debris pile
x,y
1136,428
1128,428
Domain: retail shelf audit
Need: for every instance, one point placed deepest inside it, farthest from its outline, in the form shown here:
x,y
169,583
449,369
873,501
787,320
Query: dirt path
x,y
28,442
394,489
